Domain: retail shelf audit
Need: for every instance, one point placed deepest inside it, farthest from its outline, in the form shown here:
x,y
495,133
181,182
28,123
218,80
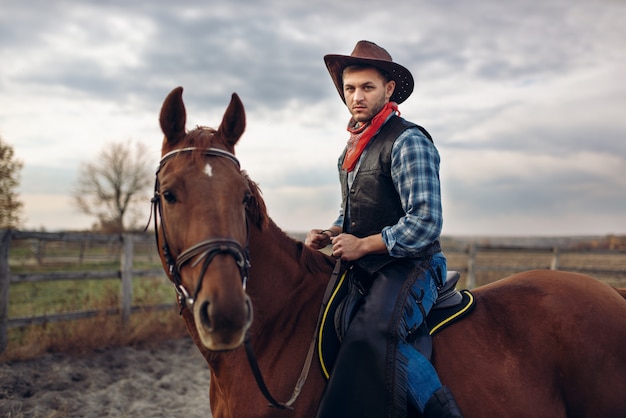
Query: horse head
x,y
203,201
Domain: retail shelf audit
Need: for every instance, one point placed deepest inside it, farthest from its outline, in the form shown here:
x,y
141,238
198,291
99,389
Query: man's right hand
x,y
318,238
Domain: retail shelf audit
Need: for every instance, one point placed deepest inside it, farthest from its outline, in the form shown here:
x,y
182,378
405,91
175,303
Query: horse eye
x,y
246,198
169,197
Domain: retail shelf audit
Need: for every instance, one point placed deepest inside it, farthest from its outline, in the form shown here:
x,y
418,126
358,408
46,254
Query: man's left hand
x,y
350,248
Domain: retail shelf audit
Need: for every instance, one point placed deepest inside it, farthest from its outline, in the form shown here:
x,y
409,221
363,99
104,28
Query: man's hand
x,y
318,238
350,248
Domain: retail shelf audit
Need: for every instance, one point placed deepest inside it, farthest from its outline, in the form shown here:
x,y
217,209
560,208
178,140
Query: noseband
x,y
203,251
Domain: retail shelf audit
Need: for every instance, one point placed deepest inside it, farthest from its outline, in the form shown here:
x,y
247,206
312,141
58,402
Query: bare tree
x,y
10,205
111,186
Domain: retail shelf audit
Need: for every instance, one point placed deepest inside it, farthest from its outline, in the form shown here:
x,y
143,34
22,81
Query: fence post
x,y
127,276
471,261
5,241
554,265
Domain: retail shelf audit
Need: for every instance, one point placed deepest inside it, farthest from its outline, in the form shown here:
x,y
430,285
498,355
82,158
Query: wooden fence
x,y
125,273
472,260
475,260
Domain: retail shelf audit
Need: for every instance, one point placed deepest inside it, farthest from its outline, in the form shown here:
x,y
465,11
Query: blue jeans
x,y
422,377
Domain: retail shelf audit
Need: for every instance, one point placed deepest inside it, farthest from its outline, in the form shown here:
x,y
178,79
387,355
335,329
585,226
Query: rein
x,y
206,250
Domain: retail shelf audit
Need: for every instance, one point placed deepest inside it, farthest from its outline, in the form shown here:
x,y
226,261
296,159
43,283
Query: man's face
x,y
366,92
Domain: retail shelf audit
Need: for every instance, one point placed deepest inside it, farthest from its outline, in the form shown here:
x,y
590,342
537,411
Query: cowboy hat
x,y
370,54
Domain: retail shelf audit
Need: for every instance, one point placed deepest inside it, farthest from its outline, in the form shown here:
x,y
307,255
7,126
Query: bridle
x,y
204,251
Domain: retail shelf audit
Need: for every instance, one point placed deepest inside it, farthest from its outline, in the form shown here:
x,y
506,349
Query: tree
x,y
10,205
111,187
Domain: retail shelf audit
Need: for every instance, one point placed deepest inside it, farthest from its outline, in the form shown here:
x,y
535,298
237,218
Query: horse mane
x,y
257,216
255,207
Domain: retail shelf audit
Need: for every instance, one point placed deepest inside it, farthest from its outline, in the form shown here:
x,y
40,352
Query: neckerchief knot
x,y
360,136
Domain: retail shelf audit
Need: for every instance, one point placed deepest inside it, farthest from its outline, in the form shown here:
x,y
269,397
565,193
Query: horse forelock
x,y
204,137
201,138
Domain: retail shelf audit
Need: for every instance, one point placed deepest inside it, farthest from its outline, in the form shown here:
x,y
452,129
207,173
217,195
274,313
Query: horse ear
x,y
173,116
234,121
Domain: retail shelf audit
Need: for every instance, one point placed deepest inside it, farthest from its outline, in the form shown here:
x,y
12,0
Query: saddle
x,y
451,305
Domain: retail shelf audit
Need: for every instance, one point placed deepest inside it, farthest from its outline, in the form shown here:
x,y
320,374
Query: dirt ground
x,y
168,380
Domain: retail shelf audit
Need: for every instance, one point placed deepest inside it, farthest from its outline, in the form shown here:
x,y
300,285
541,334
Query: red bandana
x,y
360,135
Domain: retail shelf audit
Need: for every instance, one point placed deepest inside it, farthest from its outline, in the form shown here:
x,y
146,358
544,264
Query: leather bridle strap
x,y
206,249
256,371
258,376
216,152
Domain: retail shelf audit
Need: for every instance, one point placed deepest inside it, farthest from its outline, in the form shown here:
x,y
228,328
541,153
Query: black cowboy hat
x,y
368,53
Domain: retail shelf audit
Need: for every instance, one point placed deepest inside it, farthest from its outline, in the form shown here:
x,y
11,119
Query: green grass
x,y
39,298
28,299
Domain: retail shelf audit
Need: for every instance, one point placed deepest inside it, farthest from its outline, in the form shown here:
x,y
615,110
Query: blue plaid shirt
x,y
415,173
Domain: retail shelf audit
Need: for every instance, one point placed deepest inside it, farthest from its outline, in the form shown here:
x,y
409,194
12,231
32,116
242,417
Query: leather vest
x,y
374,201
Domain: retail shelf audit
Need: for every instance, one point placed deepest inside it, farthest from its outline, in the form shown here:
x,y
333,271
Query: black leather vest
x,y
374,201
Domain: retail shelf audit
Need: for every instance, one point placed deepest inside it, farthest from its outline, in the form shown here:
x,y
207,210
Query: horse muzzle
x,y
221,324
221,308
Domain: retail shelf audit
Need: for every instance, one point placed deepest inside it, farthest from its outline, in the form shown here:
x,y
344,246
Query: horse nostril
x,y
204,315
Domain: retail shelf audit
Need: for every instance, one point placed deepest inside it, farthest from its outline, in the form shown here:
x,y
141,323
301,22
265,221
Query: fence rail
x,y
550,258
471,259
124,273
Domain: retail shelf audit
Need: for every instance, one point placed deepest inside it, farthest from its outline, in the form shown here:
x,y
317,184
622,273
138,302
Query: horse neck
x,y
286,284
287,279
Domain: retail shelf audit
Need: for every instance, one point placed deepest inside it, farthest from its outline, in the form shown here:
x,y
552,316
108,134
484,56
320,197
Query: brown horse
x,y
538,344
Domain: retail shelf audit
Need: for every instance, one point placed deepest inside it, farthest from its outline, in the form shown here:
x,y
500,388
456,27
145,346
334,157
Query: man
x,y
387,233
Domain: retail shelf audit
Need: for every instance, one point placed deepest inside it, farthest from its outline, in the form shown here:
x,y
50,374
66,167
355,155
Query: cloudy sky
x,y
526,100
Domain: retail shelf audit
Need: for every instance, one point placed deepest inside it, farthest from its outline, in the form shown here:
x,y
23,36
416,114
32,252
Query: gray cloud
x,y
524,98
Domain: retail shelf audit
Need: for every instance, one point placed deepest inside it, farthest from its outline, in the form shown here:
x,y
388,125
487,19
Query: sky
x,y
525,100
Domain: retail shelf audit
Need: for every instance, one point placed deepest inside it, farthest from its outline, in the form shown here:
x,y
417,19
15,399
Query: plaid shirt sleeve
x,y
415,173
